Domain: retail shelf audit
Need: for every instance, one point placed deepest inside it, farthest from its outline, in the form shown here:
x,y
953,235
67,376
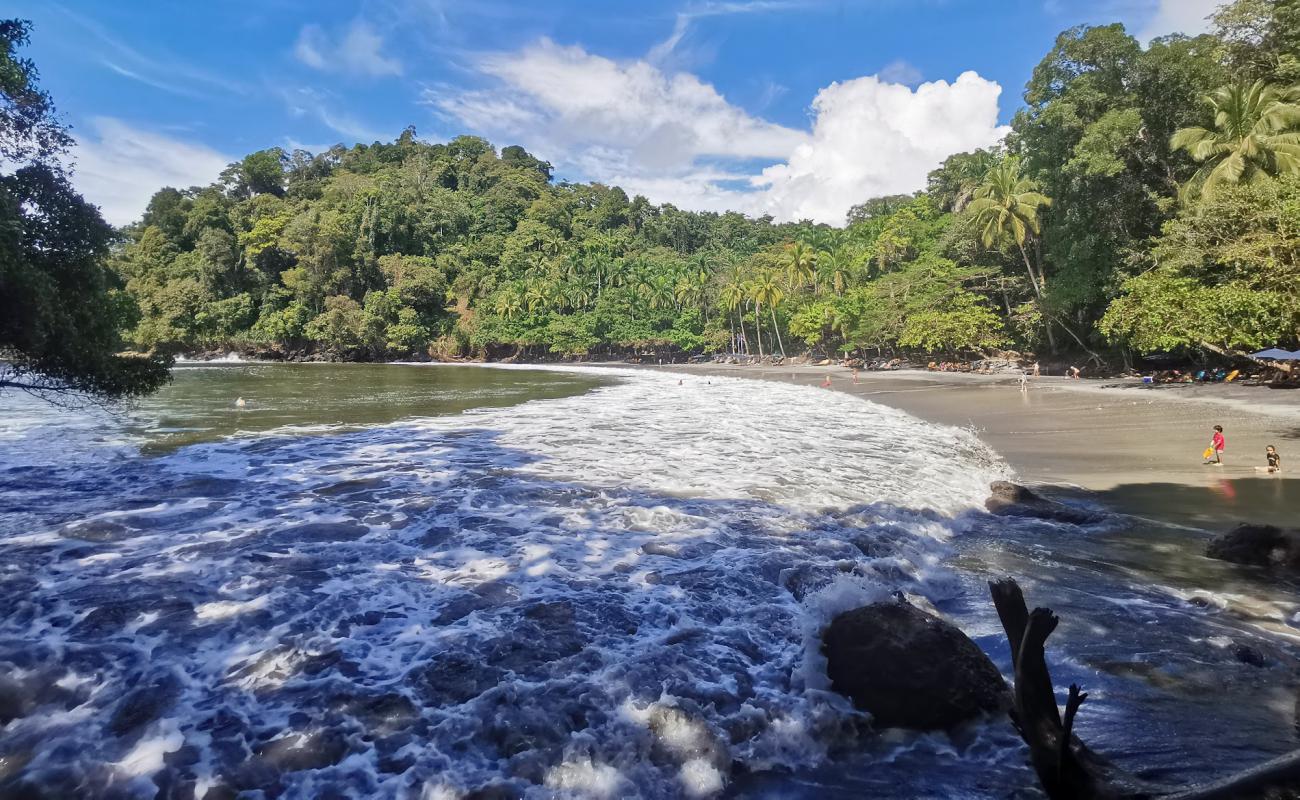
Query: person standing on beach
x,y
1217,443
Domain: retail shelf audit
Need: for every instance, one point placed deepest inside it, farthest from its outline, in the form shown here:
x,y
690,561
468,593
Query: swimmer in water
x,y
240,403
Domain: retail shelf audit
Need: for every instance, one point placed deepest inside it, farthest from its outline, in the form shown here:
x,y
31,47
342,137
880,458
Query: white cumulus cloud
x,y
119,167
873,138
571,99
358,50
675,138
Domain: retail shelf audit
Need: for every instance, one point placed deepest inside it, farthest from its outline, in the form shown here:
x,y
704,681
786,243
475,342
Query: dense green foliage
x,y
1144,200
61,308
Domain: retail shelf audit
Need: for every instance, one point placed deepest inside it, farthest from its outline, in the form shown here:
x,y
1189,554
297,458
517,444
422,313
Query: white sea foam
x,y
611,594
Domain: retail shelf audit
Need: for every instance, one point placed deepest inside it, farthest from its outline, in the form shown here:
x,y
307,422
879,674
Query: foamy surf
x,y
608,595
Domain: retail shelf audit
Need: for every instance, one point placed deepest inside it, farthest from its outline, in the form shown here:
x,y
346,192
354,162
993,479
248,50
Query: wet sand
x,y
1139,446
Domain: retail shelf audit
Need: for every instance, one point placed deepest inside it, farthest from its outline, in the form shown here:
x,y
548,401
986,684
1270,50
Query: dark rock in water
x,y
909,669
1259,546
1012,500
1249,655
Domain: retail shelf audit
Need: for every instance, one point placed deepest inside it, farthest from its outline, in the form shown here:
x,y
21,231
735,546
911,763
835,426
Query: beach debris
x,y
1009,499
1066,767
910,669
1259,546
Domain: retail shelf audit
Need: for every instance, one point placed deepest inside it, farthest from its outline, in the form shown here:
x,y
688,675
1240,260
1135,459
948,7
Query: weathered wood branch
x,y
1066,768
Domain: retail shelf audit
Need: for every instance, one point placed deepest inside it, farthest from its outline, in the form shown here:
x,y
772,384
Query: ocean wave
x,y
612,594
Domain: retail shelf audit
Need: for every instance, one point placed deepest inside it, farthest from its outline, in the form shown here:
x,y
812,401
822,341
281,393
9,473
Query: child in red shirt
x,y
1217,443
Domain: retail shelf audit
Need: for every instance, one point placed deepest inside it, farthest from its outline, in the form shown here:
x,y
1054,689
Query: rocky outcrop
x,y
1259,546
910,669
1012,500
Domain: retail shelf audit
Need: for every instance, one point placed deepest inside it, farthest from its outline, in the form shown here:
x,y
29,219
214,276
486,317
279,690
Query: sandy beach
x,y
1137,446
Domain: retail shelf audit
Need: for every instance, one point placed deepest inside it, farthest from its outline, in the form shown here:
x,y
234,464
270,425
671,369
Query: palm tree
x,y
507,303
732,296
688,292
800,264
1006,206
766,289
1255,137
659,291
537,296
833,268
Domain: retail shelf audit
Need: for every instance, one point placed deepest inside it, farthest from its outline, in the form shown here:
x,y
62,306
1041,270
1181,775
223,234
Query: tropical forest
x,y
1146,200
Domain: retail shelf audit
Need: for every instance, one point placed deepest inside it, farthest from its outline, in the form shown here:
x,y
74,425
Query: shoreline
x,y
1135,447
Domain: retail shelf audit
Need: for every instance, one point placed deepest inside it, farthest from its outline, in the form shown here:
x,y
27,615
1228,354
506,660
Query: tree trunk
x,y
1066,768
740,316
1033,274
776,330
758,329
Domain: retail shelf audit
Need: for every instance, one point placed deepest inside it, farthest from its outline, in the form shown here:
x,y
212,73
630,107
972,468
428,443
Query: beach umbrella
x,y
1277,354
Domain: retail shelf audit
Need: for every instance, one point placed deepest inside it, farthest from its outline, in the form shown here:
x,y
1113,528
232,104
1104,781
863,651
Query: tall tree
x,y
1006,208
61,311
767,291
1256,136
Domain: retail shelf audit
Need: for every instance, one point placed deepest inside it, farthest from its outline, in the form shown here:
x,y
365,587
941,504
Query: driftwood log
x,y
1066,768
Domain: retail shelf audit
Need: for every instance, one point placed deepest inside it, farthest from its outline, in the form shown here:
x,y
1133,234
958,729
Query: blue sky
x,y
797,108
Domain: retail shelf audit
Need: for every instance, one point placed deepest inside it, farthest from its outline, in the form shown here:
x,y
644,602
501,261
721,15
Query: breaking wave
x,y
612,594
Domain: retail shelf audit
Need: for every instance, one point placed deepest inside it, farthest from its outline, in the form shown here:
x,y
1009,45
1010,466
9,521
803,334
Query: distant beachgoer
x,y
1274,459
679,381
1215,450
826,383
1024,382
240,403
855,376
1075,372
1035,369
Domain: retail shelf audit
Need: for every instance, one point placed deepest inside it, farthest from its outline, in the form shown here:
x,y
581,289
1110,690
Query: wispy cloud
x,y
120,166
162,71
358,50
165,86
321,106
716,8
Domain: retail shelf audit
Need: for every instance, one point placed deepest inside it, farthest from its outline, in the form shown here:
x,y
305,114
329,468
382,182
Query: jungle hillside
x,y
1146,200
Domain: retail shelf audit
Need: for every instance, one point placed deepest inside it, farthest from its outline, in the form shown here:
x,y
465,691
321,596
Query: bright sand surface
x,y
1137,445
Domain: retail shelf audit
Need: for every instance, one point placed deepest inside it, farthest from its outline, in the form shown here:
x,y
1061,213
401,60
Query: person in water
x,y
1217,443
1274,459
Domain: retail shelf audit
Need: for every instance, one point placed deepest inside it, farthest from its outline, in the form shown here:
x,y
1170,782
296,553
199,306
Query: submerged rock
x,y
1259,546
1013,500
910,669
